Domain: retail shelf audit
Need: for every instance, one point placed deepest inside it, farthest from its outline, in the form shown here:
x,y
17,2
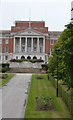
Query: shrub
x,y
13,60
5,65
4,76
44,67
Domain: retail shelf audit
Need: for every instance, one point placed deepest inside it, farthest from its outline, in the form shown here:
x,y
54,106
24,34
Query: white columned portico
x,y
32,44
26,44
20,45
14,44
43,44
38,44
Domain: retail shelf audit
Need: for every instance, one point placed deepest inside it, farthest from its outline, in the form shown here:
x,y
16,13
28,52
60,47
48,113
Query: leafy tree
x,y
65,56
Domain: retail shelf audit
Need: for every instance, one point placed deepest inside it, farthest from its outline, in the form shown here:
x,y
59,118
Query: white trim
x,y
29,36
53,38
29,31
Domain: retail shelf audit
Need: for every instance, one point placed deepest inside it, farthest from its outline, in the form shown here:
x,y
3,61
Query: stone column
x,y
37,44
20,45
32,44
43,44
26,44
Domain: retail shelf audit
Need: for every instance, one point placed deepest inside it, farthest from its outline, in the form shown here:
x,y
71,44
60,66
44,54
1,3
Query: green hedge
x,y
28,60
44,67
66,96
5,67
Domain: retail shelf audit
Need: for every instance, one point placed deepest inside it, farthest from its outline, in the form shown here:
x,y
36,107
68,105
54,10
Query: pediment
x,y
29,32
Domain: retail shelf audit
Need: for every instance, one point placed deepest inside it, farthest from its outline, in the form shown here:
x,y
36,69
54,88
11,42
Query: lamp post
x,y
57,51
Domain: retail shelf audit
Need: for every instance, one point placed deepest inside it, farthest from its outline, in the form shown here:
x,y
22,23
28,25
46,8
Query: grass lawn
x,y
43,87
6,79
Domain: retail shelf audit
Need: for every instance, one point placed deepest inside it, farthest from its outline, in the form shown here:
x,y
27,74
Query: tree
x,y
65,67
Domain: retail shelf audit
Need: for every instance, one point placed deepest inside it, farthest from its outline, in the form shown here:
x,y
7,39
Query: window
x,y
23,48
6,57
7,49
22,57
34,57
6,41
40,49
28,57
51,42
16,57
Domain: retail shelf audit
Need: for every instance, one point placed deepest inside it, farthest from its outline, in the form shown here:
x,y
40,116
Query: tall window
x,y
23,44
28,44
7,49
34,44
41,50
41,44
6,41
6,57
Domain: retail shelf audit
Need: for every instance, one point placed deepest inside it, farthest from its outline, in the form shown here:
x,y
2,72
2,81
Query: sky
x,y
55,13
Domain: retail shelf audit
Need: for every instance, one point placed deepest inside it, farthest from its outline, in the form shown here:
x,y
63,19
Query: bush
x,y
13,60
22,60
5,67
44,67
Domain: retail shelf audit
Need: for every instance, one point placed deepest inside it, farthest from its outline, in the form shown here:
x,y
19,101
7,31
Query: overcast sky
x,y
55,13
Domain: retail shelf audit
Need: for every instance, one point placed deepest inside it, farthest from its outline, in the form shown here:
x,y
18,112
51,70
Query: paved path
x,y
14,96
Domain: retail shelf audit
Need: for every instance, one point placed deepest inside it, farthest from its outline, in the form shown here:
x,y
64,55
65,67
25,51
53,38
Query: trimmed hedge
x,y
66,96
5,67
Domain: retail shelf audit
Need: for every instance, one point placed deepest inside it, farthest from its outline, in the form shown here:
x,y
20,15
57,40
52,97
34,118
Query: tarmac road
x,y
14,96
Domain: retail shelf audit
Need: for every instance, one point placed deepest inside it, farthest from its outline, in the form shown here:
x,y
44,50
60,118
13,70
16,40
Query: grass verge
x,y
5,80
44,87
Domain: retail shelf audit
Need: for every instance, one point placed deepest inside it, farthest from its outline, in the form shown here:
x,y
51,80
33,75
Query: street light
x,y
57,51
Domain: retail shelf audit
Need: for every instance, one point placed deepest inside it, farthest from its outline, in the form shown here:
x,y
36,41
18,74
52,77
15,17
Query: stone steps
x,y
24,70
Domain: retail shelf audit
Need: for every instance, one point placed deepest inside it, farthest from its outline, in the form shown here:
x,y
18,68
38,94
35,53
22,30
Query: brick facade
x,y
7,37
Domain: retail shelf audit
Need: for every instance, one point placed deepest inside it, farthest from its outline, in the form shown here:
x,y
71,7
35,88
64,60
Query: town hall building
x,y
28,40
